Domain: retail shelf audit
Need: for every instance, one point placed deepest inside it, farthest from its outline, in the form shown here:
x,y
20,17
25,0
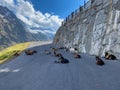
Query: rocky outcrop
x,y
93,29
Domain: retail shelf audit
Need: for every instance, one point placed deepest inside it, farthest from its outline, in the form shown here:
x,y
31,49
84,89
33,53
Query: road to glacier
x,y
39,72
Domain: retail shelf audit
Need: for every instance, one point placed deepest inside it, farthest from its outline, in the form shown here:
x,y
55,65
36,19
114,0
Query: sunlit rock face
x,y
93,29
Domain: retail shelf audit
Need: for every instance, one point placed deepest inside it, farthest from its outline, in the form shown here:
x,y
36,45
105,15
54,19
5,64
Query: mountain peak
x,y
13,30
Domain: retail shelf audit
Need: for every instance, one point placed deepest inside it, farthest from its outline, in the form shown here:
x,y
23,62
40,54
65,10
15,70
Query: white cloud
x,y
25,11
8,2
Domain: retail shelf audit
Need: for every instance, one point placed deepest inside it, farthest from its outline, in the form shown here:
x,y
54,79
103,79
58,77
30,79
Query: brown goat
x,y
16,54
76,55
57,54
62,60
99,61
54,49
109,56
30,52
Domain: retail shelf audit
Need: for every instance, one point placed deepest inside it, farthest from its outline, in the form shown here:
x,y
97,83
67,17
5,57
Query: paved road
x,y
39,72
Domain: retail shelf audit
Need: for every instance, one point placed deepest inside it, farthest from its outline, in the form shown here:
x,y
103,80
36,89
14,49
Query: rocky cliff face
x,y
93,28
12,30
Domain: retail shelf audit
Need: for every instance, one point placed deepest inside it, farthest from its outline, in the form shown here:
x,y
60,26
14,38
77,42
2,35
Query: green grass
x,y
9,52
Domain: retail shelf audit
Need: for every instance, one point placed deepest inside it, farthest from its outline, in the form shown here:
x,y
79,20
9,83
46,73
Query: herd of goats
x,y
54,52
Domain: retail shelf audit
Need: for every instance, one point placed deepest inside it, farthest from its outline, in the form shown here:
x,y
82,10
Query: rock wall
x,y
94,29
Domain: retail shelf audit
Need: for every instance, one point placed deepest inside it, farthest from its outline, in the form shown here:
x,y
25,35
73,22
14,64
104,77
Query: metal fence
x,y
77,11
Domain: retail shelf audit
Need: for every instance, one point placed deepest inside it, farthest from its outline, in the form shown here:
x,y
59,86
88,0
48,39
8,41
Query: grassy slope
x,y
9,52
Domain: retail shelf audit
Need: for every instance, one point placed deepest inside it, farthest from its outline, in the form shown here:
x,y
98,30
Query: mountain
x,y
38,36
13,30
44,31
94,28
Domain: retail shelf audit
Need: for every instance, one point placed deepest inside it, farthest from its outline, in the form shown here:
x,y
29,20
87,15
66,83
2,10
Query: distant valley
x,y
13,30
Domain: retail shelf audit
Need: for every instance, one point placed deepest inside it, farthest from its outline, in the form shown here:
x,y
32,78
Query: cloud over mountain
x,y
25,11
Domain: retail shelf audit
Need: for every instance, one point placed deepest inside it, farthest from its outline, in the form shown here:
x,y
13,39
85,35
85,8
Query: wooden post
x,y
84,4
92,1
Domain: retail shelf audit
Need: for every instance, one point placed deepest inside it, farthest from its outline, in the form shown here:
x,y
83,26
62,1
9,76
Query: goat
x,y
57,54
16,54
99,61
109,56
76,55
30,52
62,60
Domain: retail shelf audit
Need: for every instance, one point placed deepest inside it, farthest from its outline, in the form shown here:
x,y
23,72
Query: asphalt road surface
x,y
39,72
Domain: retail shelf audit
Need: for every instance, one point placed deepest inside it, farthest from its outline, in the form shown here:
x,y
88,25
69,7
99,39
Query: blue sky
x,y
43,16
59,7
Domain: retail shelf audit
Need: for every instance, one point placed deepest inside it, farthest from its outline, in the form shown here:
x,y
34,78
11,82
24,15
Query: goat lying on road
x,y
99,61
76,55
30,52
109,56
62,60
